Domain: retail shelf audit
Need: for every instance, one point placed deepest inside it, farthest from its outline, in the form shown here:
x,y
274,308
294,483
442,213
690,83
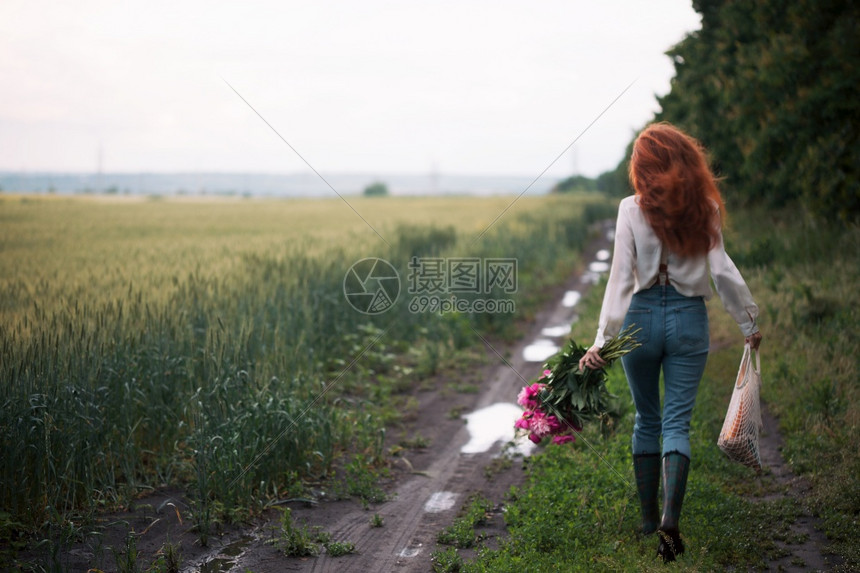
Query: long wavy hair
x,y
676,189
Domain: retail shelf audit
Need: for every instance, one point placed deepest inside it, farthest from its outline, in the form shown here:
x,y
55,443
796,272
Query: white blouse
x,y
636,263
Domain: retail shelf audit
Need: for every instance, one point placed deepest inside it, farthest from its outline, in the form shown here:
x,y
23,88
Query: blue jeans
x,y
674,338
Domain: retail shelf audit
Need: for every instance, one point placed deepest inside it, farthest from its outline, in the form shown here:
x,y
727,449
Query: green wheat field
x,y
148,343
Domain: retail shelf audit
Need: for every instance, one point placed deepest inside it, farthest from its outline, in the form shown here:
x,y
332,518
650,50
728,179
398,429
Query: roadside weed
x,y
339,548
296,540
446,561
462,532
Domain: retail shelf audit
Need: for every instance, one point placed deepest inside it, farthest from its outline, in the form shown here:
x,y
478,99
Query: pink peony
x,y
546,373
523,423
555,426
527,397
524,400
539,424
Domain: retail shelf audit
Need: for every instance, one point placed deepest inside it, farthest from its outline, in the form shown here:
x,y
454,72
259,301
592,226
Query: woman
x,y
667,236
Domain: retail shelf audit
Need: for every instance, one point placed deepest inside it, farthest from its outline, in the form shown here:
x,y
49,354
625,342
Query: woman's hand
x,y
592,359
754,340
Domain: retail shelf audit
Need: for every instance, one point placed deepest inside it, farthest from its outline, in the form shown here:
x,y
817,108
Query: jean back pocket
x,y
692,327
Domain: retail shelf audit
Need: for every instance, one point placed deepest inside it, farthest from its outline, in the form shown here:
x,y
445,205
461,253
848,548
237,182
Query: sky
x,y
467,87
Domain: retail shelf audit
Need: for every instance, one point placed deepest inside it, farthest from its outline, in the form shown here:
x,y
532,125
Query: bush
x,y
377,189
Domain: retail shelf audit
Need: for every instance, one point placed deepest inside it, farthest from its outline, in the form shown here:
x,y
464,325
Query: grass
x,y
169,559
295,540
447,561
578,510
340,548
807,273
208,345
462,532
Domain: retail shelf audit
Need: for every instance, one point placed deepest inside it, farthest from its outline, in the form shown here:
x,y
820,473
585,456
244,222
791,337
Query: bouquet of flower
x,y
560,402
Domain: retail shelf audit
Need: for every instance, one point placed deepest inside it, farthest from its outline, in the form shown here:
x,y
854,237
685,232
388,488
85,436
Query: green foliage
x,y
169,559
579,396
770,89
423,242
810,304
446,561
339,548
575,183
462,532
615,182
377,189
297,540
361,480
127,558
416,442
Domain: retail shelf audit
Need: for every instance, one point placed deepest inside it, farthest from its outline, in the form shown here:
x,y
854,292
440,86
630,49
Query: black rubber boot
x,y
676,468
647,470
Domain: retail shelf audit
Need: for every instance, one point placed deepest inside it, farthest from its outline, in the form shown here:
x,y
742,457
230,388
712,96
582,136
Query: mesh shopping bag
x,y
740,434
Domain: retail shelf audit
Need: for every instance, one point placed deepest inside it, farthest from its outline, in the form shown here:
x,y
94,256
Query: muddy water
x,y
227,556
492,425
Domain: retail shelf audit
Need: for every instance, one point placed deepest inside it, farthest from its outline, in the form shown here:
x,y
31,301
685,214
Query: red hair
x,y
676,189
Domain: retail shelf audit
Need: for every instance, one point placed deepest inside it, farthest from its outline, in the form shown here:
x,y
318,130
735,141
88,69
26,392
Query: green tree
x,y
770,88
377,189
575,183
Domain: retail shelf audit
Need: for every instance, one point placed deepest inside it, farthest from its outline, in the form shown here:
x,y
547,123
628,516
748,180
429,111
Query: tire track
x,y
809,549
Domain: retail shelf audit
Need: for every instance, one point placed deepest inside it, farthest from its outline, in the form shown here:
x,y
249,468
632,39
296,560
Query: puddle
x,y
440,501
555,331
236,548
539,350
226,557
493,424
570,299
409,552
602,255
217,565
598,267
590,277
